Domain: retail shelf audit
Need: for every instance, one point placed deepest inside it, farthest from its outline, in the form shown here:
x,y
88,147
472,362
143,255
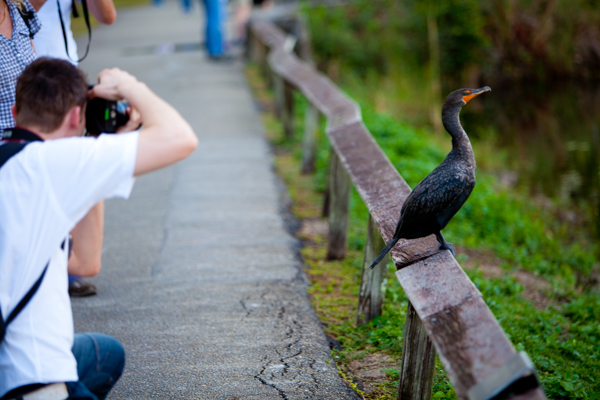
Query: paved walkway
x,y
201,280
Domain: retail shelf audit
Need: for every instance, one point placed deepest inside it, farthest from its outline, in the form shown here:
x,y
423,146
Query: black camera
x,y
105,116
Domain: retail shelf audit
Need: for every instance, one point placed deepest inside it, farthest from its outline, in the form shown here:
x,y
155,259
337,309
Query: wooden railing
x,y
446,312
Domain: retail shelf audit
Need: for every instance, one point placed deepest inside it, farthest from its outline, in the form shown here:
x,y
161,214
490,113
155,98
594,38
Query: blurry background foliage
x,y
538,39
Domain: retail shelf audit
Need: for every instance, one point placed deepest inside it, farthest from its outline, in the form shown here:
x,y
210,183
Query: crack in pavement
x,y
294,362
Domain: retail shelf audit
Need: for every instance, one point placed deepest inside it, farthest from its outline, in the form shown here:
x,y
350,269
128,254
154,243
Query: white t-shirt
x,y
49,40
45,189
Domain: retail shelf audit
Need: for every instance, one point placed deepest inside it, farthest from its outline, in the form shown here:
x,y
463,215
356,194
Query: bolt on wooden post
x,y
370,300
309,146
418,360
339,204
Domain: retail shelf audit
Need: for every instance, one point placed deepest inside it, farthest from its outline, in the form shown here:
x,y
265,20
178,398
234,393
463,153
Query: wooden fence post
x,y
255,46
309,147
326,193
258,54
304,41
278,85
371,295
288,110
418,360
339,204
284,103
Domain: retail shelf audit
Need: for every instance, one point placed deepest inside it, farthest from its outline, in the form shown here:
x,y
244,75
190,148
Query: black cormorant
x,y
435,200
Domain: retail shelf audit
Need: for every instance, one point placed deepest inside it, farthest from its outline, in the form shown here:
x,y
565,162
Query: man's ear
x,y
13,110
74,117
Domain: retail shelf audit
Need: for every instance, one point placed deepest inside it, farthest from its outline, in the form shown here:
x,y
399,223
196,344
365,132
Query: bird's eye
x,y
467,93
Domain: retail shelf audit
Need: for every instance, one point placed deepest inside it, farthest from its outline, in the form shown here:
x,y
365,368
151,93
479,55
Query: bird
x,y
438,197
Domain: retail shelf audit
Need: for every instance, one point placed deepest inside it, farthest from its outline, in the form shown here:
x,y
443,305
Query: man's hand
x,y
134,122
112,83
166,137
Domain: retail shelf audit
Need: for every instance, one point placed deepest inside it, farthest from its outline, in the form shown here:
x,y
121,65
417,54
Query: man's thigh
x,y
100,361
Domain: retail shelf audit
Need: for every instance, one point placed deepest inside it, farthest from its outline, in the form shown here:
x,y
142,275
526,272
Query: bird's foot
x,y
448,246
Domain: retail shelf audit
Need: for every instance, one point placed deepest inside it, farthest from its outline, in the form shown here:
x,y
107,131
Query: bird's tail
x,y
385,250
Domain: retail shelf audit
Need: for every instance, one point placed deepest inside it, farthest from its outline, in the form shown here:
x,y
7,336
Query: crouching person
x,y
53,182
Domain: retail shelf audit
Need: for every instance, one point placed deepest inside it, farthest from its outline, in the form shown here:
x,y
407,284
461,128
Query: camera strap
x,y
13,141
86,16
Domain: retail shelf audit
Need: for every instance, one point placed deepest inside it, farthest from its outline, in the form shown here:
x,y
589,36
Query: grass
x,y
531,275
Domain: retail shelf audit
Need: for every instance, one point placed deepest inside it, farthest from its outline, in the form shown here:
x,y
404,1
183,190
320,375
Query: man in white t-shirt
x,y
50,42
53,186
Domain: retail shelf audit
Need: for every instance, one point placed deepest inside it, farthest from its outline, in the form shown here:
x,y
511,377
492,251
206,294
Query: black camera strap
x,y
86,16
13,141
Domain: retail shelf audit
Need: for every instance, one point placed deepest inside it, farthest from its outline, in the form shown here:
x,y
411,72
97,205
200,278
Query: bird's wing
x,y
431,198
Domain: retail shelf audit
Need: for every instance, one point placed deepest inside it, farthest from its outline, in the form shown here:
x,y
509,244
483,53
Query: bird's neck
x,y
461,146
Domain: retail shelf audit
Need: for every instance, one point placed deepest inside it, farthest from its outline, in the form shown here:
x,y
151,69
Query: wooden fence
x,y
446,314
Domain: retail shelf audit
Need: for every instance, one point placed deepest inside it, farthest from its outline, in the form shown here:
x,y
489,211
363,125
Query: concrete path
x,y
201,280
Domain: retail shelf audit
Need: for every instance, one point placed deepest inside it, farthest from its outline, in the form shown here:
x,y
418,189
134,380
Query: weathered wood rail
x,y
446,310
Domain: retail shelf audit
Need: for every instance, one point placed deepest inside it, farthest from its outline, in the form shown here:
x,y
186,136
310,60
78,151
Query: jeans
x,y
214,27
100,362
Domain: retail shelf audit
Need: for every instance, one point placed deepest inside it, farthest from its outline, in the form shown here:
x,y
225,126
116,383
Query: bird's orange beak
x,y
469,94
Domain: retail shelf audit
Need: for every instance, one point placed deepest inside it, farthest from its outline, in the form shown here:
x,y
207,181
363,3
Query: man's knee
x,y
100,361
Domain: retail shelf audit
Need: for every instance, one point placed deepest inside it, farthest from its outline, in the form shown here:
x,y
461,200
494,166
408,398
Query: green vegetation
x,y
531,38
500,234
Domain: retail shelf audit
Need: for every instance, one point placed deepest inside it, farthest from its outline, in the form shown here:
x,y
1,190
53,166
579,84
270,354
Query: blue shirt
x,y
15,55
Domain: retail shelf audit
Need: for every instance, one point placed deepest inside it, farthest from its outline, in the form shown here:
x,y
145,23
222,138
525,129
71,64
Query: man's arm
x,y
86,258
166,137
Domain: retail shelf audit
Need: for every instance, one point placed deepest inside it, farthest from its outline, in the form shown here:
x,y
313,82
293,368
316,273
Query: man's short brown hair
x,y
46,90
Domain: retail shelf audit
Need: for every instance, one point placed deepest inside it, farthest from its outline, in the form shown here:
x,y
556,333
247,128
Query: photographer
x,y
55,39
54,185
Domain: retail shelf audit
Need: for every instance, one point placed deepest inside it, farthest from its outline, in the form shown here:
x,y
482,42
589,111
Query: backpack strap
x,y
25,298
7,150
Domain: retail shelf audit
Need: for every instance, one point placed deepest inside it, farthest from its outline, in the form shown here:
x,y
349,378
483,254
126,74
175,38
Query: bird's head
x,y
462,96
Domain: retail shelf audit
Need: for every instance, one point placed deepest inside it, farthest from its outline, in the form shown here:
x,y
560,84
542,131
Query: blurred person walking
x,y
241,16
216,16
55,39
186,6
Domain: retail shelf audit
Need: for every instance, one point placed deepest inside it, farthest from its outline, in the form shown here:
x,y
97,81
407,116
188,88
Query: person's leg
x,y
223,19
214,40
100,361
